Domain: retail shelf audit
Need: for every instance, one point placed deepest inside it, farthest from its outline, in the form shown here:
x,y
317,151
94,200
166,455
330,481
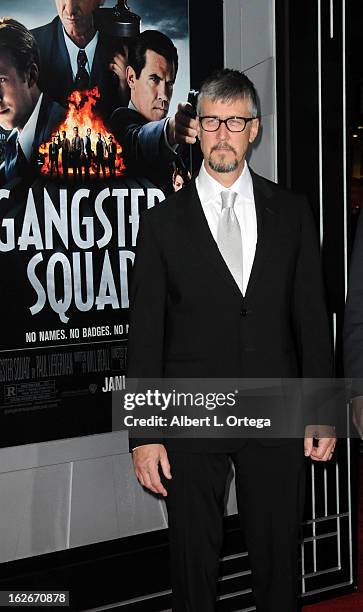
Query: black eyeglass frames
x,y
233,124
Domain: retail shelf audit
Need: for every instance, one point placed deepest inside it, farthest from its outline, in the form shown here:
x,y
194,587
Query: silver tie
x,y
229,238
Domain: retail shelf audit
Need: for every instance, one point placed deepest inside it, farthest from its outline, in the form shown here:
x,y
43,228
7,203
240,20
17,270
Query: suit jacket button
x,y
244,312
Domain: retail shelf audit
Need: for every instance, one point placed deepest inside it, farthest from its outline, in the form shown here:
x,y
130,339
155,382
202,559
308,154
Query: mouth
x,y
72,19
223,149
223,145
3,111
160,112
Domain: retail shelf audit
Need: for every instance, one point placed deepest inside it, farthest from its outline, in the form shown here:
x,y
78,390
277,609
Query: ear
x,y
198,128
33,75
130,77
255,124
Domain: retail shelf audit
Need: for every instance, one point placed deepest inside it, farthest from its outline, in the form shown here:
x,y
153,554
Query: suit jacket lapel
x,y
61,62
97,75
197,229
198,232
39,136
267,216
51,115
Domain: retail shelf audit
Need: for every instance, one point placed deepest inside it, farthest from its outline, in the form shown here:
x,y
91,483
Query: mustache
x,y
223,146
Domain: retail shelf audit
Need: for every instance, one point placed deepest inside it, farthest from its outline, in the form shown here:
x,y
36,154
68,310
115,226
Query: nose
x,y
163,92
223,132
71,6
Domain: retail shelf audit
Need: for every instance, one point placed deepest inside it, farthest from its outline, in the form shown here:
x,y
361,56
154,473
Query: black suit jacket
x,y
51,116
353,321
77,146
56,76
112,151
100,150
53,151
188,317
145,152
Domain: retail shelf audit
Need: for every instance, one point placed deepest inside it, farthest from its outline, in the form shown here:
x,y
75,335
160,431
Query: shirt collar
x,y
27,135
73,50
132,106
210,189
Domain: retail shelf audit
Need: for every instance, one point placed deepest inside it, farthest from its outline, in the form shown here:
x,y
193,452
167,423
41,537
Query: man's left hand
x,y
118,66
182,128
325,434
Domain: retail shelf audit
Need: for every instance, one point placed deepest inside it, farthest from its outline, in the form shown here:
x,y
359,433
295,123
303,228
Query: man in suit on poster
x,y
143,129
101,149
227,284
65,147
87,152
54,157
76,55
111,155
77,150
24,108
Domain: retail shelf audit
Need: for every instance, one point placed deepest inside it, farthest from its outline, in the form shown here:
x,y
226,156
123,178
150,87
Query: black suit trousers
x,y
270,492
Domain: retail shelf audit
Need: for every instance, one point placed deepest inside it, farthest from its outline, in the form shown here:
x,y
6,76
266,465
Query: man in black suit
x,y
101,148
24,109
143,129
75,55
77,150
353,329
54,156
111,155
65,147
227,284
87,152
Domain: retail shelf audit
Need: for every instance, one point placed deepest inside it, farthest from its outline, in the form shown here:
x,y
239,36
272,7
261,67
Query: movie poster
x,y
85,147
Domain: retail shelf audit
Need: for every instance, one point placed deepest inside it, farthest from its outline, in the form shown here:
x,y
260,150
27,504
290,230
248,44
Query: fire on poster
x,y
81,114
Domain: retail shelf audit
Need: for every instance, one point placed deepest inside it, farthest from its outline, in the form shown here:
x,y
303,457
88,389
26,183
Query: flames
x,y
81,114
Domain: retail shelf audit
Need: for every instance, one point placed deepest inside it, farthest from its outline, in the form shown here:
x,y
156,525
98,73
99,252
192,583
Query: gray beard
x,y
222,166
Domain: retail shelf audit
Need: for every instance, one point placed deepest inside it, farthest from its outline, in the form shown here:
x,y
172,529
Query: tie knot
x,y
82,58
228,199
14,137
12,143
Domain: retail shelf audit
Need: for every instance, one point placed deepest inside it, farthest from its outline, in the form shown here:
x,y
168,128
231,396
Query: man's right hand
x,y
119,63
118,66
146,460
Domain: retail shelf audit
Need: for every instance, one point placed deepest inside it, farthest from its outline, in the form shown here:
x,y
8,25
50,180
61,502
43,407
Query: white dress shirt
x,y
27,135
73,51
209,191
84,138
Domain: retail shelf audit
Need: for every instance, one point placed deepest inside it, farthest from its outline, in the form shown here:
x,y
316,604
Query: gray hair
x,y
227,85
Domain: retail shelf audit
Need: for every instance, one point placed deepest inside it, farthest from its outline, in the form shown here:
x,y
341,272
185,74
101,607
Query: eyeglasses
x,y
233,124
